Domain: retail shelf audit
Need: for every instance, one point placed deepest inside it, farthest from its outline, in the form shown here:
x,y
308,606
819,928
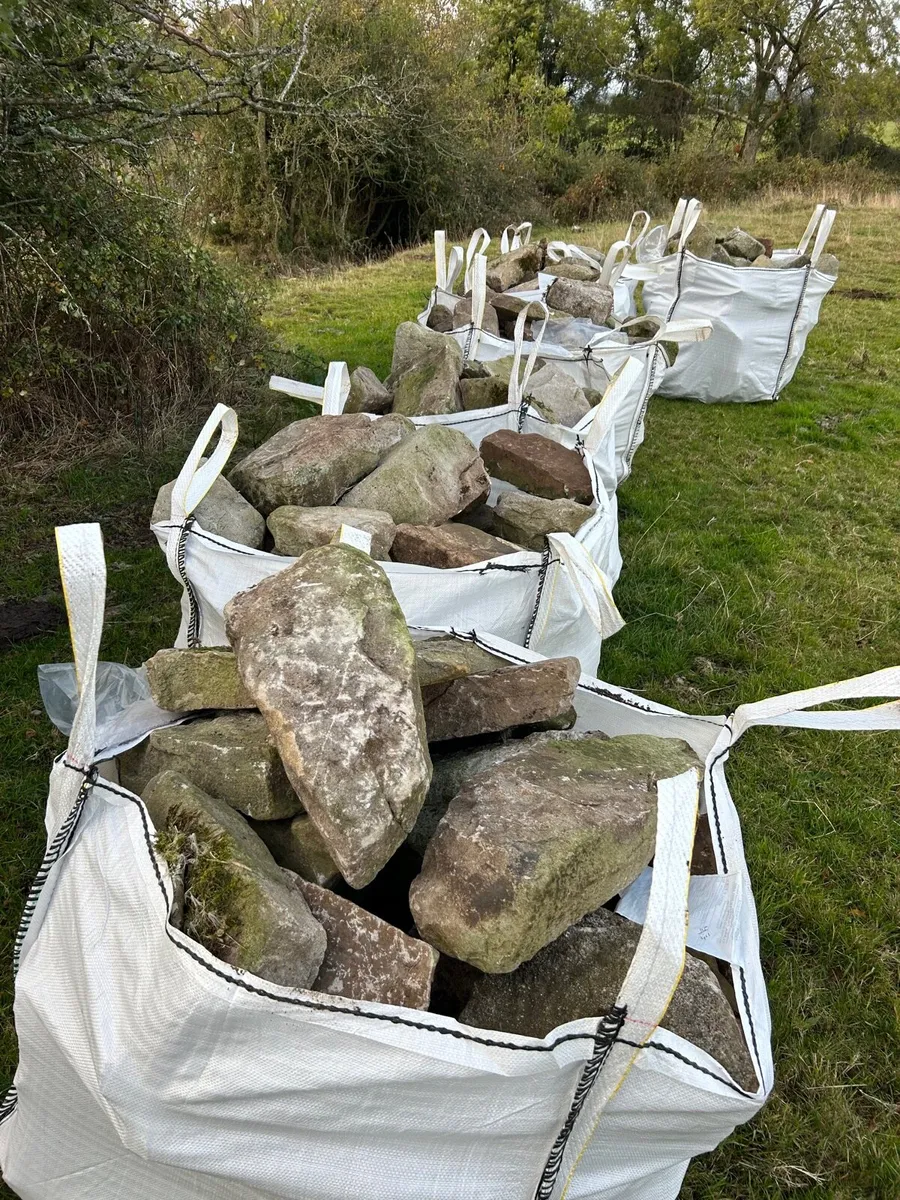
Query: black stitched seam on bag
x,y
607,1031
677,285
750,1017
790,339
539,590
193,629
651,379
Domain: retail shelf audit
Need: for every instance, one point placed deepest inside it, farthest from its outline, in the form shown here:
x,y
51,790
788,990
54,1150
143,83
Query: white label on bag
x,y
349,535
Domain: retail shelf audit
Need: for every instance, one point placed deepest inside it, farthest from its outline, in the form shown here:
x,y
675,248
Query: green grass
x,y
761,548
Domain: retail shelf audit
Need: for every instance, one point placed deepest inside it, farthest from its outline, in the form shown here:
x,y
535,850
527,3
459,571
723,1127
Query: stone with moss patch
x,y
191,680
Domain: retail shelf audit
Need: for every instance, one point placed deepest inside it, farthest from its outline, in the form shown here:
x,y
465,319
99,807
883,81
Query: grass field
x,y
761,549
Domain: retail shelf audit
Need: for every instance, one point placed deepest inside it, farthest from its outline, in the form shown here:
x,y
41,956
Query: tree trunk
x,y
753,136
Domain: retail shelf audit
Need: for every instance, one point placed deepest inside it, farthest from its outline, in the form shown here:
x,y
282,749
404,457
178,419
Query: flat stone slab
x,y
366,958
191,680
528,519
537,465
580,975
297,530
503,697
313,462
430,477
232,758
324,650
238,902
529,846
442,659
449,545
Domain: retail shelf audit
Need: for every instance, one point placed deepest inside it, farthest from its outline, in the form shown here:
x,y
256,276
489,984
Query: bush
x,y
620,186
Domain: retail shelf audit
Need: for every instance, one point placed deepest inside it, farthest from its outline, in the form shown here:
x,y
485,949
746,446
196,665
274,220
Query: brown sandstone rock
x,y
537,465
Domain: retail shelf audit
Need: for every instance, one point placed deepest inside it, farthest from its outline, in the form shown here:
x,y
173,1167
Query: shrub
x,y
620,186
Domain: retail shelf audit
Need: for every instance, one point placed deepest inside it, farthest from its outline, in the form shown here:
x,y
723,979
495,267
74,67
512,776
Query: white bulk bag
x,y
615,266
558,602
150,1068
761,315
596,363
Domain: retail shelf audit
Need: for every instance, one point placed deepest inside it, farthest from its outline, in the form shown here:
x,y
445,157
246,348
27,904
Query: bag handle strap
x,y
822,236
812,226
677,218
515,236
614,263
635,240
618,390
515,393
446,271
477,247
691,217
332,396
648,987
590,582
195,479
792,708
82,568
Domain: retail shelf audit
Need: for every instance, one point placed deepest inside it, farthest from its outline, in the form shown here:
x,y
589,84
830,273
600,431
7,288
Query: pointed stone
x,y
741,244
412,343
313,462
238,902
462,314
324,650
366,958
440,319
432,476
191,680
580,975
232,758
530,845
431,385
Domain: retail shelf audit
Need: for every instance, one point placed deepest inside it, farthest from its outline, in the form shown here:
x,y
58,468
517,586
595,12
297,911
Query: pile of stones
x,y
420,493
411,823
737,248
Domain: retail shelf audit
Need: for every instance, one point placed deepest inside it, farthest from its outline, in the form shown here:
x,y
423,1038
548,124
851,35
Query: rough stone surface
x,y
487,392
222,511
500,698
271,931
324,649
313,462
762,261
556,395
741,244
462,314
768,246
573,268
529,846
367,393
449,545
528,519
591,300
298,845
431,385
701,240
828,264
297,530
502,367
580,975
189,680
232,758
366,958
442,659
432,476
440,319
512,268
412,343
801,260
720,255
509,305
537,465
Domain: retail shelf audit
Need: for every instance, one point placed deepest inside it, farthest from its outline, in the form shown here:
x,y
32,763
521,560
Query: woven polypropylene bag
x,y
150,1068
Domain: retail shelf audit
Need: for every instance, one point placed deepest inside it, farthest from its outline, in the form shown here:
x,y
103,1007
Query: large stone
x,y
238,902
190,680
741,244
431,385
324,650
440,319
313,462
501,368
487,392
502,697
509,305
702,240
537,465
720,255
556,395
591,300
297,530
512,268
412,343
528,519
447,546
432,476
366,958
222,511
442,659
298,845
232,758
367,393
799,260
573,268
828,264
580,975
462,315
529,846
